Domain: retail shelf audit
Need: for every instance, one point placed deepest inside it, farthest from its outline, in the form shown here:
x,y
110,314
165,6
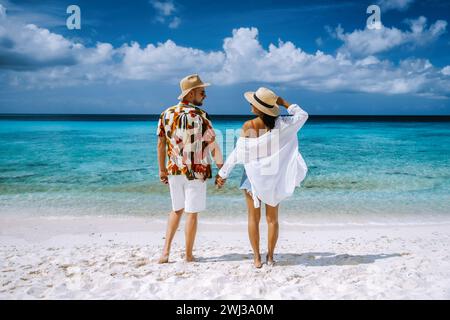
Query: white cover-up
x,y
272,161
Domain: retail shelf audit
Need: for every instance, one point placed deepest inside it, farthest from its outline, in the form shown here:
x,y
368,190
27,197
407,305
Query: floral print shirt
x,y
189,135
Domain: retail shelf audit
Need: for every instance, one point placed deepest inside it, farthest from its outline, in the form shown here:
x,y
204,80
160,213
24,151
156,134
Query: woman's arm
x,y
226,169
229,164
298,115
232,159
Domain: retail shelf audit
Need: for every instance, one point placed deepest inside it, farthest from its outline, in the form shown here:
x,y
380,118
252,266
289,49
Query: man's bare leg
x,y
172,226
190,232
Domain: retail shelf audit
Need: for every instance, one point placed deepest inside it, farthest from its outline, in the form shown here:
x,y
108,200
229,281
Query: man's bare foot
x,y
257,262
190,259
163,259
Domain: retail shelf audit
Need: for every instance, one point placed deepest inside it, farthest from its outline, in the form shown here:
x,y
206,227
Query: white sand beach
x,y
115,258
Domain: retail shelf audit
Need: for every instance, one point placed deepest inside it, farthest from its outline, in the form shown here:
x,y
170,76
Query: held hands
x,y
282,102
219,182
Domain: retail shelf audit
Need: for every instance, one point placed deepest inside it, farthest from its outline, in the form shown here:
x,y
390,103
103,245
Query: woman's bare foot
x,y
270,261
257,261
190,259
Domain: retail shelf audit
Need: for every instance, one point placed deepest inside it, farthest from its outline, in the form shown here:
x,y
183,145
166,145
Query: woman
x,y
268,148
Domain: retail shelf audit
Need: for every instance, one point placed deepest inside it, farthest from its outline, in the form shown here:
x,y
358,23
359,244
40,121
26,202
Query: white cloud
x,y
2,11
100,54
163,8
165,11
446,71
372,41
29,47
47,59
243,59
319,41
174,23
400,5
163,61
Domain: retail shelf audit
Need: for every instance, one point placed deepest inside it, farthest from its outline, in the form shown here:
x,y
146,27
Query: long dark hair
x,y
269,121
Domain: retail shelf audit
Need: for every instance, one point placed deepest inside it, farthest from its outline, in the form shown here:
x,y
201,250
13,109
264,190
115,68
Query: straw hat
x,y
190,82
264,100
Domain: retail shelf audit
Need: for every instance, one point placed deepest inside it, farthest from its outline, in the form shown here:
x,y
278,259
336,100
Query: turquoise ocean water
x,y
359,172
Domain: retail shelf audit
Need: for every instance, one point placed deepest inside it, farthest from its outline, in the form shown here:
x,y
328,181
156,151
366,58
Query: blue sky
x,y
129,55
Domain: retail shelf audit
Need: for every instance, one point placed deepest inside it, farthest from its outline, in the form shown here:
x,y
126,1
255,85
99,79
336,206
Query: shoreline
x,y
45,227
209,218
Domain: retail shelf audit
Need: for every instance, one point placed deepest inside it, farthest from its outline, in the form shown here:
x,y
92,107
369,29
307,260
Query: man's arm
x,y
162,160
217,154
209,136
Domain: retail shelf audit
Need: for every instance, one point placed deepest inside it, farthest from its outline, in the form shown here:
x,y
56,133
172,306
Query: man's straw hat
x,y
190,82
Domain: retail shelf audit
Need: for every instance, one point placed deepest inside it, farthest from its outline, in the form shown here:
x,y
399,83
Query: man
x,y
186,136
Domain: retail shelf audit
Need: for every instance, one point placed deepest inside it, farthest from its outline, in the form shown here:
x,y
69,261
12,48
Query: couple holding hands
x,y
267,147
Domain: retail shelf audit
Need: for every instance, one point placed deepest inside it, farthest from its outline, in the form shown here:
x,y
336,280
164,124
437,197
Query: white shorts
x,y
187,194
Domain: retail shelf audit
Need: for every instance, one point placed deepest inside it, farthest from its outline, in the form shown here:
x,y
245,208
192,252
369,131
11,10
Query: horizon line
x,y
218,114
154,117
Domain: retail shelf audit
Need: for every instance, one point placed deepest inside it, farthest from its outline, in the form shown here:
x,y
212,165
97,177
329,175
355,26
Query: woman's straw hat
x,y
264,100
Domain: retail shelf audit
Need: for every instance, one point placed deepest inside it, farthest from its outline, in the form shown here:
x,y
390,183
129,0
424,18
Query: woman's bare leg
x,y
272,226
254,216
